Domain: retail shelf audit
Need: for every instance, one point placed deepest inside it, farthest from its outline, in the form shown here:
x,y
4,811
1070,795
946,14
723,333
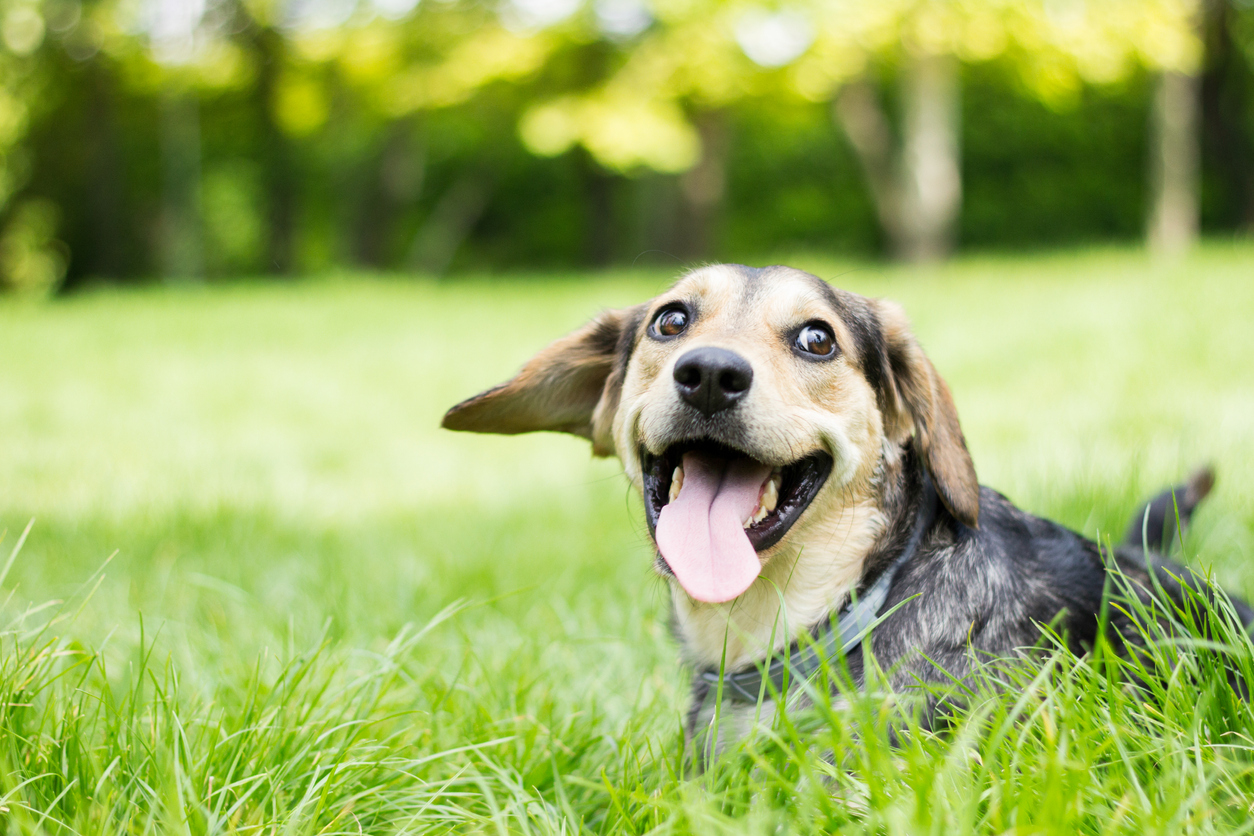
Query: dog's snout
x,y
712,379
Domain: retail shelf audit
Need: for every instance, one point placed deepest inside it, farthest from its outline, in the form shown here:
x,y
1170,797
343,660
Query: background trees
x,y
194,138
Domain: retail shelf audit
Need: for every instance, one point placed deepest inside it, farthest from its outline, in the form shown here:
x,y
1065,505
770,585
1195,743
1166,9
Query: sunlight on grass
x,y
324,614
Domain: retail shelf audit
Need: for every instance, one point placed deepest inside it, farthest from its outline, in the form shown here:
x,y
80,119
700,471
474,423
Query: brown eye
x,y
816,339
670,322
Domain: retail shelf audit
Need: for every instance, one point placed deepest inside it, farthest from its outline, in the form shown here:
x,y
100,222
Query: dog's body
x,y
787,439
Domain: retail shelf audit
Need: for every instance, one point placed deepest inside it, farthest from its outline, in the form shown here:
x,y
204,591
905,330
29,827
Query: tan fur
x,y
793,408
926,407
800,584
558,389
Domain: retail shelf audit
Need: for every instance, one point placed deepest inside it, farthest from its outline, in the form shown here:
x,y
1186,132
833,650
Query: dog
x,y
808,488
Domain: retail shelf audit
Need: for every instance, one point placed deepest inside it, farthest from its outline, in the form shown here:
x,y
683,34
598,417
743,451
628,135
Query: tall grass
x,y
263,593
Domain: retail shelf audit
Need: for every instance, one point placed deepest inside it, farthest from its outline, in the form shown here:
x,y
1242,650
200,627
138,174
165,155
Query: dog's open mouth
x,y
711,508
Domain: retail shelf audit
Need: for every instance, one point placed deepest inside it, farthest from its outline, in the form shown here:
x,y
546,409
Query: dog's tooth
x,y
766,503
770,495
677,482
759,514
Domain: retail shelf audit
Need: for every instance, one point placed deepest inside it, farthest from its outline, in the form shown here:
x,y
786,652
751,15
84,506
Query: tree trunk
x,y
598,203
702,189
1227,97
180,246
931,175
653,235
450,223
393,180
917,187
265,46
276,154
1173,219
107,209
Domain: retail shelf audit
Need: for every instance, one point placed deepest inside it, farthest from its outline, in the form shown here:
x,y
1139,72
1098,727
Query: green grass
x,y
264,593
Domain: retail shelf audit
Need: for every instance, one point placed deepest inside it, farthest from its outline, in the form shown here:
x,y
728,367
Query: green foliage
x,y
1071,172
266,136
31,259
794,184
324,614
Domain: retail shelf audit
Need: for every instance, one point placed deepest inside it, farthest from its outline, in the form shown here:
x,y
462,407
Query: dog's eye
x,y
670,322
816,339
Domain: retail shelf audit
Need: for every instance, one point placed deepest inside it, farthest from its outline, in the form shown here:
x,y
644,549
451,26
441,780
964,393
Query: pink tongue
x,y
701,533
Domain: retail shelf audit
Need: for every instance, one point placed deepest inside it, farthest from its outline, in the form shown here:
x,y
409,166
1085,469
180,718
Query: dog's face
x,y
747,406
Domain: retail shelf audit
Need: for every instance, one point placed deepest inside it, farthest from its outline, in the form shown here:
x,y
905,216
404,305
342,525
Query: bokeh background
x,y
207,139
251,250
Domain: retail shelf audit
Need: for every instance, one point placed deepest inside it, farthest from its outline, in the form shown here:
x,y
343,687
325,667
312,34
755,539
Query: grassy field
x,y
264,593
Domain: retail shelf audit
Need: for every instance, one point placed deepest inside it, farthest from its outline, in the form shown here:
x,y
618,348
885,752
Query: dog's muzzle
x,y
712,508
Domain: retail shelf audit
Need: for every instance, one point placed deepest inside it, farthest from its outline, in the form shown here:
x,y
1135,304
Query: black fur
x,y
627,337
972,595
868,337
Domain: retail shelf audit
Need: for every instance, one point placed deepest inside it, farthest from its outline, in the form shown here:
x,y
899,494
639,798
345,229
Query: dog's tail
x,y
1153,526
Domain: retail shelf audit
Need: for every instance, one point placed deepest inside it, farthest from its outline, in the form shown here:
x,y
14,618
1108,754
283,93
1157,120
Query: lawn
x,y
263,592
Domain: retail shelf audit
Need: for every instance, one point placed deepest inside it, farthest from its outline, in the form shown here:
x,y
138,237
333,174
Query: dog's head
x,y
745,404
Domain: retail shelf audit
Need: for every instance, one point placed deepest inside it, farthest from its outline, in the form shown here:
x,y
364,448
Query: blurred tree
x,y
32,260
427,60
703,57
656,93
917,187
229,137
1227,93
174,26
1173,218
1174,214
1058,45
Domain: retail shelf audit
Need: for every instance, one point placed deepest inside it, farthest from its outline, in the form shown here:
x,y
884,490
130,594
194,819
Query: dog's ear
x,y
918,401
571,386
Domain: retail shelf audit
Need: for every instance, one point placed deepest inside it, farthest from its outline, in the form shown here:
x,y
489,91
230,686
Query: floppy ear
x,y
918,400
571,386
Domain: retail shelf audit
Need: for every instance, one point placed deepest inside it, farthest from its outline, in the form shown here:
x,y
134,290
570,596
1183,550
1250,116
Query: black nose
x,y
712,379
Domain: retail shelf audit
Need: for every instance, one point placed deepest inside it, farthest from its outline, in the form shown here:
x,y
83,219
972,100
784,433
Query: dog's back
x,y
978,594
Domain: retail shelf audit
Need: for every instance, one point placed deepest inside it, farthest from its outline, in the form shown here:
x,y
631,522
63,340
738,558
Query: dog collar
x,y
835,637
